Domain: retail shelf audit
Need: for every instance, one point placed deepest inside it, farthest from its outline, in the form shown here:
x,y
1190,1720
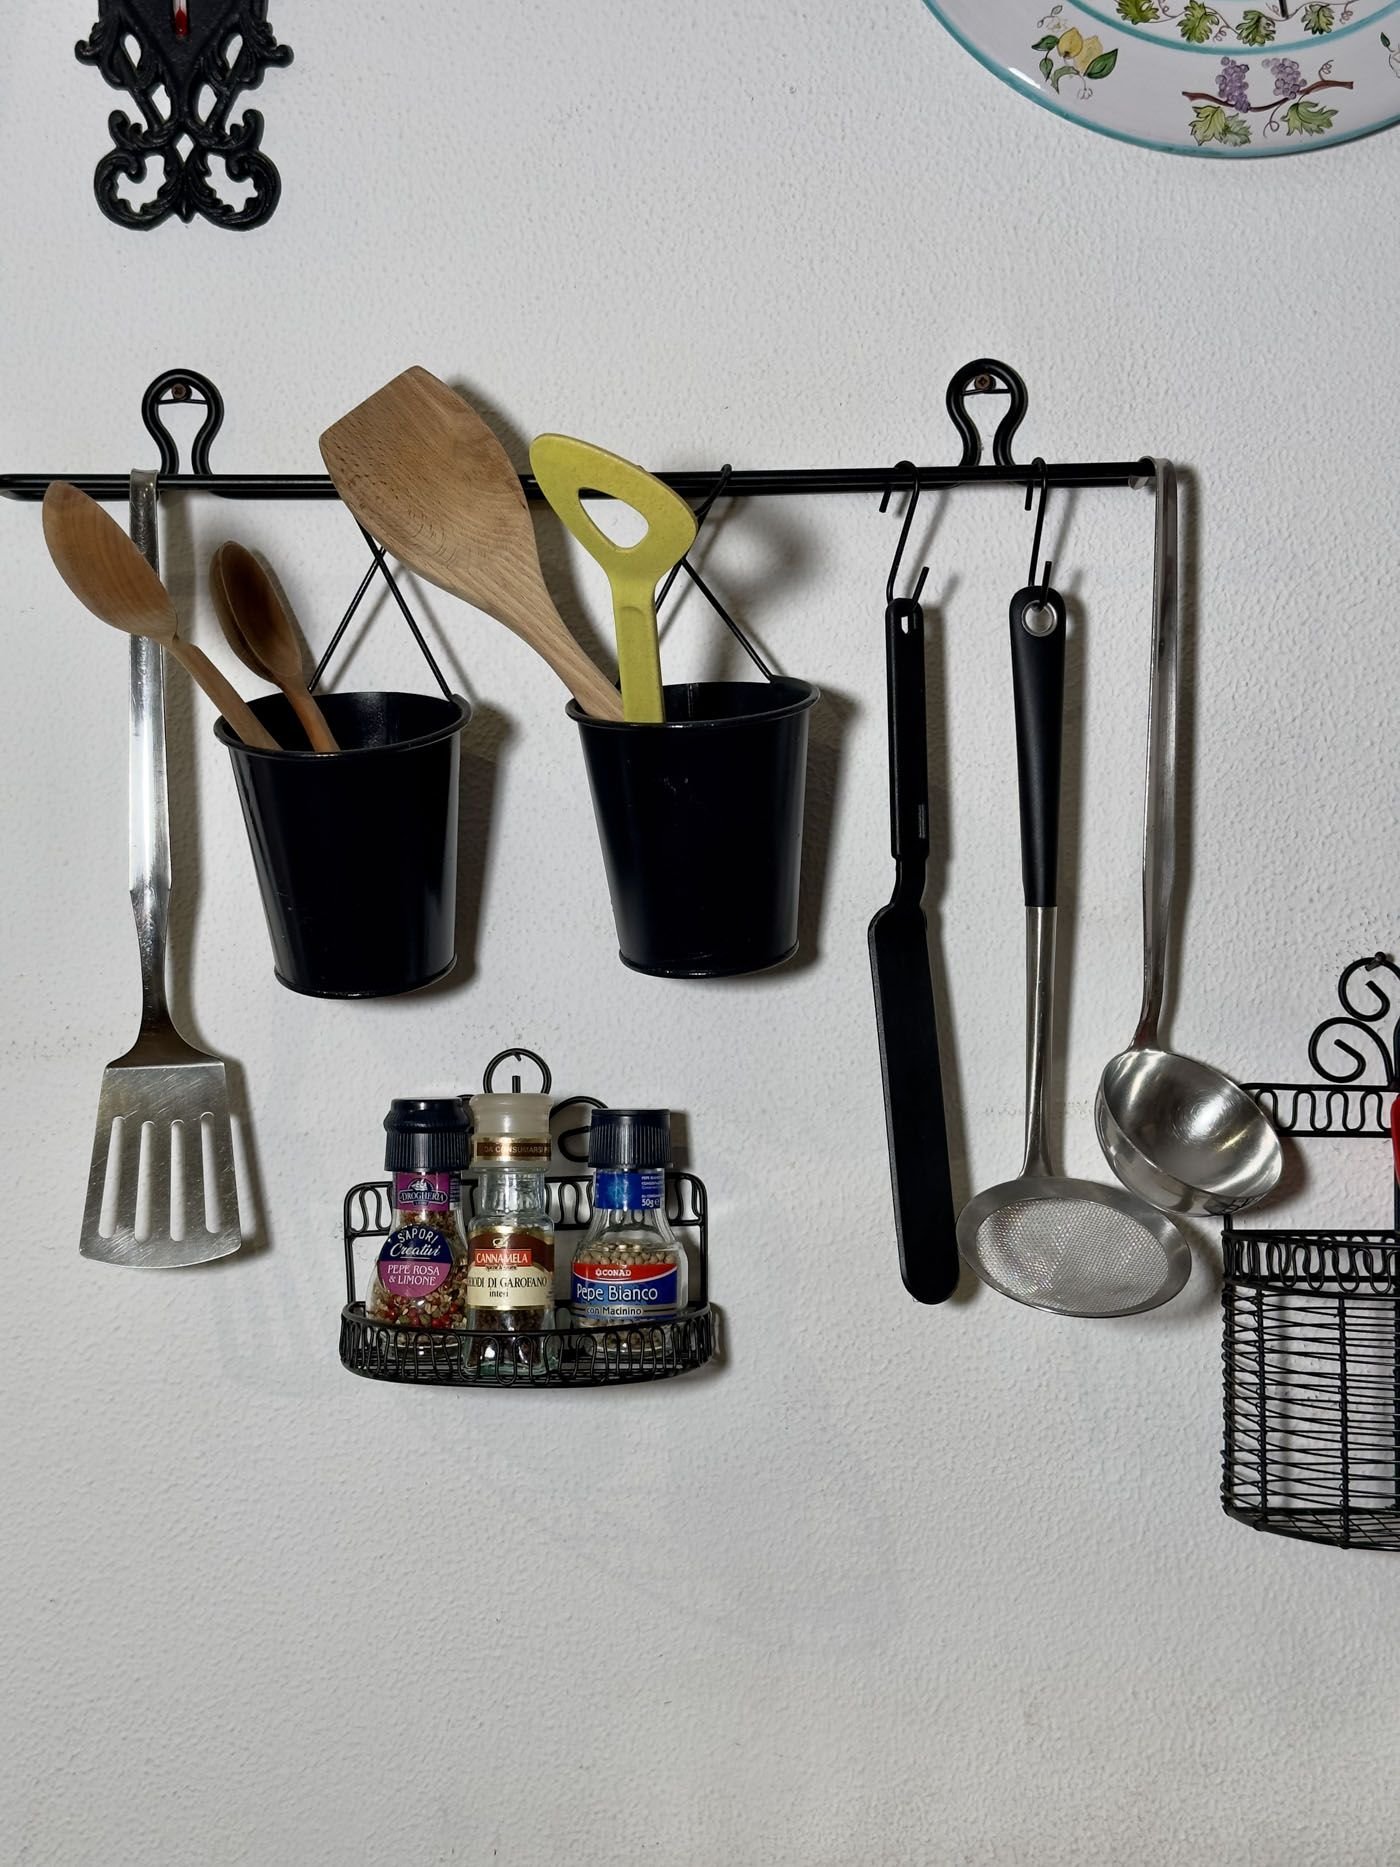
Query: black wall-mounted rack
x,y
565,1355
1312,1317
984,377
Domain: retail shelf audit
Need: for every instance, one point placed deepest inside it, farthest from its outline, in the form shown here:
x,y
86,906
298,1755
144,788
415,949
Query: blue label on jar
x,y
607,1291
629,1192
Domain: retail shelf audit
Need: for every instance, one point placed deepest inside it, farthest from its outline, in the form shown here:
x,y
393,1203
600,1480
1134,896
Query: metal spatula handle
x,y
1159,811
148,797
1038,684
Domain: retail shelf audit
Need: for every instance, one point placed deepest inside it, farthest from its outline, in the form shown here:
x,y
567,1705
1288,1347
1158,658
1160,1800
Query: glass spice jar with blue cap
x,y
629,1267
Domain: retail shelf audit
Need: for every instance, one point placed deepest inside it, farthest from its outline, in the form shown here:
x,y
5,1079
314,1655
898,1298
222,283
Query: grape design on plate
x,y
1234,83
1222,115
1288,76
1201,77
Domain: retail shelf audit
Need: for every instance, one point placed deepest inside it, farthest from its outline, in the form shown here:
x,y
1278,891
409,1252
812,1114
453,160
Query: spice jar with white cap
x,y
510,1240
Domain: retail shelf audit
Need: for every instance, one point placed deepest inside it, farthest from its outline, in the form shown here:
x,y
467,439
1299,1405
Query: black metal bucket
x,y
700,818
356,850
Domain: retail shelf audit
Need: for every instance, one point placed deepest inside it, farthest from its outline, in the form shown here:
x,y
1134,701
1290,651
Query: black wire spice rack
x,y
565,1356
1312,1317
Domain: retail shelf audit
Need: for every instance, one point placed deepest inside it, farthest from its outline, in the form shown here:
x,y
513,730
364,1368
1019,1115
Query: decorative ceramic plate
x,y
1196,79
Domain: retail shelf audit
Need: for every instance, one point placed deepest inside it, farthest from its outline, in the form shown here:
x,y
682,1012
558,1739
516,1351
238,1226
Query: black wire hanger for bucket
x,y
702,512
379,563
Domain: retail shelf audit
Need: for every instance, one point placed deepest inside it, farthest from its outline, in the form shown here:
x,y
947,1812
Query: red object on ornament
x,y
182,21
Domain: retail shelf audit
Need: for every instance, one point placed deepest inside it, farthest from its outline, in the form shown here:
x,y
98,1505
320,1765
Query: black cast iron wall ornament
x,y
185,63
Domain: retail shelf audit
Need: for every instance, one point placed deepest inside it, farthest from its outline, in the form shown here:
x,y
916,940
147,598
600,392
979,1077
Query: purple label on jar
x,y
415,1261
425,1192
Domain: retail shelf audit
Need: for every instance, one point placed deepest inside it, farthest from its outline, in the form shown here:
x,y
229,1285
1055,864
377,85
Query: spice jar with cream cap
x,y
510,1240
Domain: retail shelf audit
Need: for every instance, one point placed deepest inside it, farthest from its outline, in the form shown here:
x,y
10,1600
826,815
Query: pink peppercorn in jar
x,y
420,1278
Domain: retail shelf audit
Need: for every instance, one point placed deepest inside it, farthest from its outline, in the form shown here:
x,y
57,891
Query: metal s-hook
x,y
903,466
1038,466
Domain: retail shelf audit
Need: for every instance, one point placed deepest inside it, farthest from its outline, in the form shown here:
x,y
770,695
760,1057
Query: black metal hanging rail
x,y
984,377
750,483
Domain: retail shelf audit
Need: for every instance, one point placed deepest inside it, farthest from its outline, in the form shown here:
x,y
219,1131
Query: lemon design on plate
x,y
1068,53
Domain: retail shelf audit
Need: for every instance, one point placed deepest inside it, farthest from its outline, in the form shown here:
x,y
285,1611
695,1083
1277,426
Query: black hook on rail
x,y
1039,466
903,466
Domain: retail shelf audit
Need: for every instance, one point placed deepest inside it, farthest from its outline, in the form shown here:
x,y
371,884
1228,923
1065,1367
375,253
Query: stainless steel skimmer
x,y
1178,1133
164,1144
1055,1243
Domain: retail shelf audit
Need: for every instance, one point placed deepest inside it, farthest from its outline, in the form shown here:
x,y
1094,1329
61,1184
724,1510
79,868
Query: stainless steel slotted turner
x,y
163,1095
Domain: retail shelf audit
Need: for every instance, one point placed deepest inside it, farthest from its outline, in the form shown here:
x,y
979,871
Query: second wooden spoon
x,y
109,575
259,631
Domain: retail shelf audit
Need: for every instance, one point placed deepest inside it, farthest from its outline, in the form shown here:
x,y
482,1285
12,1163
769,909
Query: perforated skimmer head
x,y
1073,1246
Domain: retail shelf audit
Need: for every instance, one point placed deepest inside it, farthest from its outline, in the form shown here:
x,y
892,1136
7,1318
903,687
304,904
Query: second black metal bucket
x,y
356,850
700,819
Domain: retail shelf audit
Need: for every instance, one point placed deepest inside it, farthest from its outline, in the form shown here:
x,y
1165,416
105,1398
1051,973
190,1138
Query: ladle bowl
x,y
1183,1135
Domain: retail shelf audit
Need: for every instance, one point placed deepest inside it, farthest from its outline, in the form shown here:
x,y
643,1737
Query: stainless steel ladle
x,y
1179,1133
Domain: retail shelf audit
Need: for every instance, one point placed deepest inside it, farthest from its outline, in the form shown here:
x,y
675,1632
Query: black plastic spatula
x,y
925,1217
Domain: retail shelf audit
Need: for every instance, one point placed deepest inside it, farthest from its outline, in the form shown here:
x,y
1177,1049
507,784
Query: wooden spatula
x,y
423,472
109,576
566,469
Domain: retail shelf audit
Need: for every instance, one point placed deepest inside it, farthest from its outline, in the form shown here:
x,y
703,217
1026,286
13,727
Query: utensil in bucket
x,y
355,851
700,819
700,814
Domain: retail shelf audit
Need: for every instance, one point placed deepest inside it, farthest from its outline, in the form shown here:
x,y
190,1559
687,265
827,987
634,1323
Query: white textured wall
x,y
893,1585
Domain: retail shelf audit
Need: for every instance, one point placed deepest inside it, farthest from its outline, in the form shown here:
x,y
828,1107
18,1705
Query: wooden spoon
x,y
108,574
259,631
423,472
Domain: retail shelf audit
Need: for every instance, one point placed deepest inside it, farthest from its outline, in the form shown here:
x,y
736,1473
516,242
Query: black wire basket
x,y
564,1356
1312,1318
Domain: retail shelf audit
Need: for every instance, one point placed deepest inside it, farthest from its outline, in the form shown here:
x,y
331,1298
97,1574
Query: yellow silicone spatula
x,y
565,468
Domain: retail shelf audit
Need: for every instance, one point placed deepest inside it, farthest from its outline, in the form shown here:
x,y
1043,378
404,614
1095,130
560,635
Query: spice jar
x,y
629,1267
420,1278
510,1241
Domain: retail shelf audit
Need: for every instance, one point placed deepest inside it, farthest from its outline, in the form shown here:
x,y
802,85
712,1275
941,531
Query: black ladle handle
x,y
1038,681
